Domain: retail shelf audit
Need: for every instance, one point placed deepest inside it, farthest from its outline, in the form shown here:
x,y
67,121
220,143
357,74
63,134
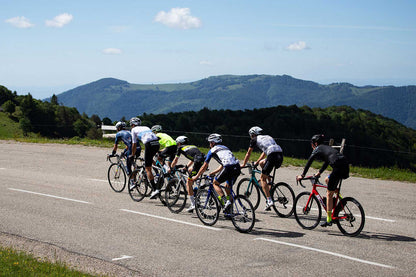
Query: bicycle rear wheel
x,y
243,214
307,210
175,195
206,206
116,177
351,217
248,188
283,198
138,185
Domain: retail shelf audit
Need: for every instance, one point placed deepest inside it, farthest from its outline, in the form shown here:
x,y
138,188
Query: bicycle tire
x,y
247,188
206,206
243,214
139,186
354,222
308,217
283,198
116,177
175,195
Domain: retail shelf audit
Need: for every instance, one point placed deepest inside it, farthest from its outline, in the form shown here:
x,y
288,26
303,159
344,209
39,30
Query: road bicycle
x,y
347,212
281,193
117,172
175,191
207,206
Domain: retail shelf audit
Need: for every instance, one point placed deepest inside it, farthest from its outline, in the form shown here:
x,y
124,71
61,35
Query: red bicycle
x,y
347,212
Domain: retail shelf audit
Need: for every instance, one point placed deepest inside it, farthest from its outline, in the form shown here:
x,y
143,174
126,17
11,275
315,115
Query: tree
x,y
54,100
107,121
25,125
9,107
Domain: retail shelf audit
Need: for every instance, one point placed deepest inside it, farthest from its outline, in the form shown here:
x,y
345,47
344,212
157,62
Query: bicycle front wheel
x,y
249,189
206,206
137,185
350,217
283,198
307,210
243,215
116,177
175,195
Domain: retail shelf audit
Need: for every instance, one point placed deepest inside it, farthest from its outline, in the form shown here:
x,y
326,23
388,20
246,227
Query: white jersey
x,y
142,133
222,155
266,144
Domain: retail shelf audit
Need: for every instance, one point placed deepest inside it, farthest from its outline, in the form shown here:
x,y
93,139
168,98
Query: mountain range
x,y
115,98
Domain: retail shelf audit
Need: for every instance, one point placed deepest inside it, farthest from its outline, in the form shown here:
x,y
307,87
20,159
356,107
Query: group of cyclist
x,y
169,150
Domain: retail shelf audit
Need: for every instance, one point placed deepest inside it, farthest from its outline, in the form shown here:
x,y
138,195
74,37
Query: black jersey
x,y
191,152
329,155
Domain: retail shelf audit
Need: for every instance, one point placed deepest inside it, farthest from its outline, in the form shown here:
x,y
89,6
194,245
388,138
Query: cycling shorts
x,y
169,152
338,173
275,159
150,150
229,173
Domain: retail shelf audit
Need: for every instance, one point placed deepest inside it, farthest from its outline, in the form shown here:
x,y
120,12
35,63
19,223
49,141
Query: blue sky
x,y
51,46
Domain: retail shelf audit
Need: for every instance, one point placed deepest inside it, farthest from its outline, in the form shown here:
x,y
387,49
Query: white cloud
x,y
112,51
59,21
205,63
179,18
297,46
20,22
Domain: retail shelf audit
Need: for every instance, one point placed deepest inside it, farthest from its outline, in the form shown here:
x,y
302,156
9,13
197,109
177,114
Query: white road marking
x,y
122,258
173,220
326,252
2,168
49,195
98,180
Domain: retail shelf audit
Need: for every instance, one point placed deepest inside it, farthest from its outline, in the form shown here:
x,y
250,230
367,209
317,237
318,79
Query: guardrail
x,y
109,131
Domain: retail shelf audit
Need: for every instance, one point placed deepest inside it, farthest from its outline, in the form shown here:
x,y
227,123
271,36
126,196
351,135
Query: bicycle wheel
x,y
206,206
116,177
138,185
307,210
351,217
243,214
175,195
248,188
283,198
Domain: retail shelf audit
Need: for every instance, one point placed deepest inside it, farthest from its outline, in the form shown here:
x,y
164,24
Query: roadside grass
x,y
16,263
382,173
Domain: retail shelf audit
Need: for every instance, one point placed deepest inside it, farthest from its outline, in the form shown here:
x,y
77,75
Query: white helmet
x,y
182,139
156,128
120,125
214,138
256,130
135,121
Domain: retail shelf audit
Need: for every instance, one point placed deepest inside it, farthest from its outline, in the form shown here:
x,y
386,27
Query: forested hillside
x,y
115,98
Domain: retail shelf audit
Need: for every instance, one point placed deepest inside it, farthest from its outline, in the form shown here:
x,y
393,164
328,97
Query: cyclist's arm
x,y
250,149
216,170
262,156
201,171
114,149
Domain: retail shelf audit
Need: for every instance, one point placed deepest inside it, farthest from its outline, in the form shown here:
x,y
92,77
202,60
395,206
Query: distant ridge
x,y
115,98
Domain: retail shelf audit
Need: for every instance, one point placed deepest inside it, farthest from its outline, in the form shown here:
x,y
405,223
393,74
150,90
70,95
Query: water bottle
x,y
195,190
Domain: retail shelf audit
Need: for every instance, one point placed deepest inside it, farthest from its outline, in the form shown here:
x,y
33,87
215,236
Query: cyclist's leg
x,y
332,181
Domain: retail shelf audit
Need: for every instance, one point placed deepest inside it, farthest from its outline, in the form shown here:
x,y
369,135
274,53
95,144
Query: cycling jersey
x,y
165,140
124,136
329,155
222,155
265,143
191,152
142,133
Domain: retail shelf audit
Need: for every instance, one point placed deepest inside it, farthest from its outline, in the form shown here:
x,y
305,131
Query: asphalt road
x,y
58,196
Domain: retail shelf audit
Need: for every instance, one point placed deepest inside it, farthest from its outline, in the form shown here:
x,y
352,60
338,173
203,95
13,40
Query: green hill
x,y
115,98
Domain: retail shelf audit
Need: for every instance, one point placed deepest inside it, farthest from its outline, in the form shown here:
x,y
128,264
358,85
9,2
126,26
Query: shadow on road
x,y
382,236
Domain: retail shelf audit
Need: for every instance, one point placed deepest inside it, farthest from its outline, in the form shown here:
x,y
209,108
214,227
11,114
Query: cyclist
x,y
125,136
340,170
167,144
151,146
228,171
196,159
274,154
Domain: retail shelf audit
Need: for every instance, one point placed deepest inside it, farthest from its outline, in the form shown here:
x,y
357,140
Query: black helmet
x,y
318,139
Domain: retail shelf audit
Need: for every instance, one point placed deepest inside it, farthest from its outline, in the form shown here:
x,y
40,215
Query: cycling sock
x,y
329,216
192,198
152,182
221,200
228,197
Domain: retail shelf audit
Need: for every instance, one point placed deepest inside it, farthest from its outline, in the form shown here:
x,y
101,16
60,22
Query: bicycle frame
x,y
255,181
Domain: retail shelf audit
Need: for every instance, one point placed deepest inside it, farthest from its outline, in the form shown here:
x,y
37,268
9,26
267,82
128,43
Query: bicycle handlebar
x,y
312,178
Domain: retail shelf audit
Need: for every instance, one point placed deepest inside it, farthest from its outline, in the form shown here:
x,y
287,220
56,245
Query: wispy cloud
x,y
20,22
112,51
59,21
205,63
297,46
178,18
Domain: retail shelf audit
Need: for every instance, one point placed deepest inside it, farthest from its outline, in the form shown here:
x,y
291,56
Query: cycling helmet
x,y
214,138
317,138
256,130
135,121
182,139
120,125
156,128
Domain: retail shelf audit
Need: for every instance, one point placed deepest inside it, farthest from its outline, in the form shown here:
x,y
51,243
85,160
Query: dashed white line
x,y
98,180
122,258
171,219
326,252
49,195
